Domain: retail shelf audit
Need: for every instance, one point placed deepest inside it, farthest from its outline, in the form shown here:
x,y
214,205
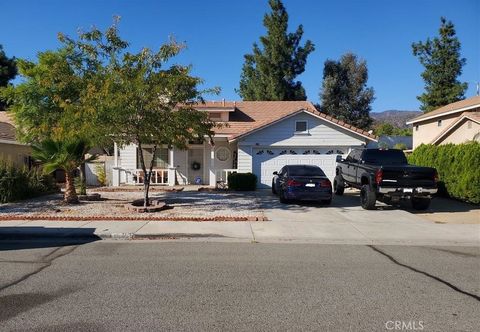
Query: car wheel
x,y
283,199
338,186
273,188
367,197
420,203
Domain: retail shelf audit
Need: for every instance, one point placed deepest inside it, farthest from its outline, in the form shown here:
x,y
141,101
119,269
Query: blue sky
x,y
218,34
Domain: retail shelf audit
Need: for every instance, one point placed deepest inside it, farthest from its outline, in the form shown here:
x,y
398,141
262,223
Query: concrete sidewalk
x,y
358,231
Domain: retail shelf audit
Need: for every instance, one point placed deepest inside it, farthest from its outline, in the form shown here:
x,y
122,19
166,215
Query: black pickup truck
x,y
385,175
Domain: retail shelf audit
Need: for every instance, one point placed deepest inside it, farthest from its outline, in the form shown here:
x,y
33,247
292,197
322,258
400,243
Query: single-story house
x,y
454,123
11,150
258,137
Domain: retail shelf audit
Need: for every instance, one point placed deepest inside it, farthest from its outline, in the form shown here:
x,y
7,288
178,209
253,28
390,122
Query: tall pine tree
x,y
443,64
344,93
269,73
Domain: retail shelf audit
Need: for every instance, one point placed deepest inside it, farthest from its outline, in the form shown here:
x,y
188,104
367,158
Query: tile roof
x,y
457,106
7,128
474,116
253,115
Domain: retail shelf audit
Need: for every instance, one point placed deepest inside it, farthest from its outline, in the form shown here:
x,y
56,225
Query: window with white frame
x,y
160,158
301,126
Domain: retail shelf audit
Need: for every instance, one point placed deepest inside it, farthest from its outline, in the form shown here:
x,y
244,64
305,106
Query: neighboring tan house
x,y
454,123
10,149
260,137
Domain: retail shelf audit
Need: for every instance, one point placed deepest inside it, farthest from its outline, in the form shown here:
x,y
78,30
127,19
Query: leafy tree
x,y
8,70
344,93
443,65
387,129
54,101
141,101
269,73
64,155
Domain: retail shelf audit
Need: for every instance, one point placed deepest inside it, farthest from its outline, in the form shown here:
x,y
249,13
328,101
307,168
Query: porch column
x,y
171,168
116,168
212,176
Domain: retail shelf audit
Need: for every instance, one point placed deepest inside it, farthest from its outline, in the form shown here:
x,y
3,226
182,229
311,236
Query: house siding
x,y
461,133
244,158
180,162
320,133
14,153
128,157
429,130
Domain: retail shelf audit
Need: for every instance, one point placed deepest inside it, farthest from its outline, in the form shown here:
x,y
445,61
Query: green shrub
x,y
458,167
20,183
242,181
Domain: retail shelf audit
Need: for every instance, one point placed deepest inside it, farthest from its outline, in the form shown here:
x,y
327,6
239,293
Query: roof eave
x,y
419,119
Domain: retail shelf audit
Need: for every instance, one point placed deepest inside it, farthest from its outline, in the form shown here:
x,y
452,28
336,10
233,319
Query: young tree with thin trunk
x,y
140,100
443,65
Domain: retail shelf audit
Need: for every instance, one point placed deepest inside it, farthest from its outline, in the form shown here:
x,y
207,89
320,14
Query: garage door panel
x,y
266,161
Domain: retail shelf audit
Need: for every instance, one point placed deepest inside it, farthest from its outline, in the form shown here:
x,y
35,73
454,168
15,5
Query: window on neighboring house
x,y
301,126
160,159
439,123
215,116
416,128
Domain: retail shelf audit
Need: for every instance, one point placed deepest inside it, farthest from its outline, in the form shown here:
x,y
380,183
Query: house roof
x,y
250,116
7,128
474,116
459,106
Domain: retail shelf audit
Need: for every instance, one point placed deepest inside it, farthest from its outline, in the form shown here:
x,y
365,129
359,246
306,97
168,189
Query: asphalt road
x,y
155,285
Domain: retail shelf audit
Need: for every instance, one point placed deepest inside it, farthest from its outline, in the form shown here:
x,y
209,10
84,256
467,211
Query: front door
x,y
195,166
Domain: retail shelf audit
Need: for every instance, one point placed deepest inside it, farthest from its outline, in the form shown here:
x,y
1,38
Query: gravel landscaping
x,y
183,205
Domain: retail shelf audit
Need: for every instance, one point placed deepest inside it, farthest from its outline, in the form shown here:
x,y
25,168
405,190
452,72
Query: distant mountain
x,y
395,117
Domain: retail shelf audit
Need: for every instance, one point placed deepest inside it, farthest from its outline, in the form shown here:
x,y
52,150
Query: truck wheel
x,y
420,203
273,188
367,197
338,186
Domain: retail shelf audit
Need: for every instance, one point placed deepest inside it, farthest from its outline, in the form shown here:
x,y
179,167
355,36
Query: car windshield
x,y
305,171
385,157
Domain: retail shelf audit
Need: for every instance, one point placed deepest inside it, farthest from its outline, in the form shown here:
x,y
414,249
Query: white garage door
x,y
268,160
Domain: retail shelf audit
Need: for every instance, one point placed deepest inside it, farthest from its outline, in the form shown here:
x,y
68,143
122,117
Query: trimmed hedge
x,y
21,183
458,167
242,181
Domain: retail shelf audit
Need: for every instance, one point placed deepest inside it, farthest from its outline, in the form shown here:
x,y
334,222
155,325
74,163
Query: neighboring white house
x,y
259,137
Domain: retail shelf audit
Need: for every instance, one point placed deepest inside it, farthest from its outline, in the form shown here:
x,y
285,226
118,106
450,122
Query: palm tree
x,y
65,155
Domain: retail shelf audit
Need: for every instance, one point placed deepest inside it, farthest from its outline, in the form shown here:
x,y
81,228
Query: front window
x,y
439,123
160,160
301,126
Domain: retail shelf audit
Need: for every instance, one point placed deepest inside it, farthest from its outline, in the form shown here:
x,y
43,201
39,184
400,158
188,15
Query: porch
x,y
199,164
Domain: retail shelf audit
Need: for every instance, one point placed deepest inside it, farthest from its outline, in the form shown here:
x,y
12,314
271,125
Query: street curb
x,y
126,218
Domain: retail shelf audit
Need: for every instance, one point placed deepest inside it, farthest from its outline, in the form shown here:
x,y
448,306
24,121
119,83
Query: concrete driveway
x,y
346,222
